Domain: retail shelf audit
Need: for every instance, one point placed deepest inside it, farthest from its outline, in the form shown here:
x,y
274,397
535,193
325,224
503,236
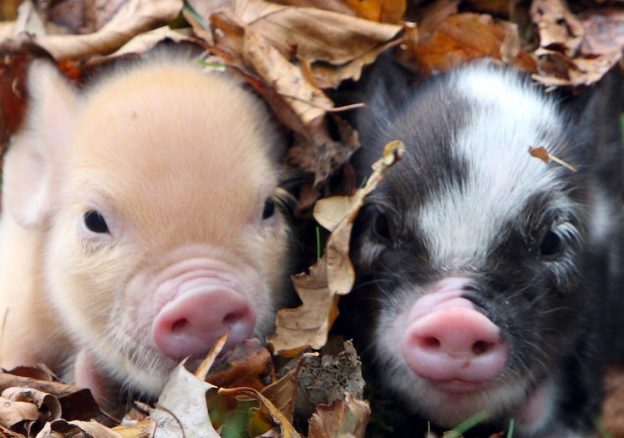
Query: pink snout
x,y
196,318
454,345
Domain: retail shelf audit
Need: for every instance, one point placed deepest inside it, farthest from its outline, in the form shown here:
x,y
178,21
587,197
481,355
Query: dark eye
x,y
95,222
381,226
269,209
551,244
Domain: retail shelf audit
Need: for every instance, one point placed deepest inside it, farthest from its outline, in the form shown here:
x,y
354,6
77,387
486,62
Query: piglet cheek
x,y
199,312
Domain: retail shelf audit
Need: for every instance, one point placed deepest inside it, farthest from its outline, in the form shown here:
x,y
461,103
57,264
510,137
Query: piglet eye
x,y
551,244
269,209
381,226
95,222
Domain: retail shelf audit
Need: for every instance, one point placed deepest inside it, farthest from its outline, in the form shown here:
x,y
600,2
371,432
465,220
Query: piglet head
x,y
156,193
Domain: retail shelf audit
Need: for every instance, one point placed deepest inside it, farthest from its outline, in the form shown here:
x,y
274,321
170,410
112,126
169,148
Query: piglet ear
x,y
33,158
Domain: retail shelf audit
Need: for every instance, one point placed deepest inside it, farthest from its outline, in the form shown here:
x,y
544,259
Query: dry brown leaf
x,y
576,50
346,418
181,409
147,40
141,429
464,37
80,16
283,393
557,27
328,5
263,418
132,18
340,271
313,34
613,406
208,361
542,154
62,428
14,412
385,11
307,101
329,376
308,325
248,364
48,405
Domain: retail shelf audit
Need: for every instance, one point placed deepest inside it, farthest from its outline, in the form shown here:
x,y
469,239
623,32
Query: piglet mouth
x,y
458,386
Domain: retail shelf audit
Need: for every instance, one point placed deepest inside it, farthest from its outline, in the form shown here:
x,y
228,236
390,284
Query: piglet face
x,y
470,252
164,232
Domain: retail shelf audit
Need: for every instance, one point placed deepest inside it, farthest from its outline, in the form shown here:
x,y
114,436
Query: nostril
x,y
481,347
232,318
430,342
179,325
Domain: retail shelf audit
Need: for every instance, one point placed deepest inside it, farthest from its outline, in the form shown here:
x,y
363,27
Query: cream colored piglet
x,y
138,223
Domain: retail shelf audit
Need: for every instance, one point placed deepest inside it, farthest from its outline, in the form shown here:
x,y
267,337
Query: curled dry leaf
x,y
340,271
385,11
80,16
312,34
14,412
542,154
308,325
62,428
132,18
557,27
251,412
346,418
181,409
576,50
148,40
48,405
140,429
464,37
248,364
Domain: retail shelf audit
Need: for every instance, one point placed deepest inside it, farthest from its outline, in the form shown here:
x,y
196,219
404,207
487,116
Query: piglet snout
x,y
190,323
452,343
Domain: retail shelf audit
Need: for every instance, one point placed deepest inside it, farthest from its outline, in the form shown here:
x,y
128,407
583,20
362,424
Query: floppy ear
x,y
29,184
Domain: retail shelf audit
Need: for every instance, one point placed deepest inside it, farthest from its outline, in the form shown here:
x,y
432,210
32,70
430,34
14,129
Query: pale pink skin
x,y
181,175
458,356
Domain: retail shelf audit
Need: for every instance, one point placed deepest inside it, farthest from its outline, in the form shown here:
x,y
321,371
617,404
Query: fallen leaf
x,y
313,34
557,27
340,271
48,405
181,409
613,406
248,364
346,418
542,154
80,16
148,40
132,18
307,326
141,429
252,412
283,393
463,37
14,412
576,50
385,11
61,428
328,377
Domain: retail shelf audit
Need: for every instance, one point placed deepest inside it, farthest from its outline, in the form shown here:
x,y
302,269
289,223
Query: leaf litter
x,y
293,52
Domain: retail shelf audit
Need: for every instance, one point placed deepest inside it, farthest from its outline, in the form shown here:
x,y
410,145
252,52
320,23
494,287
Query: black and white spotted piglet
x,y
485,276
